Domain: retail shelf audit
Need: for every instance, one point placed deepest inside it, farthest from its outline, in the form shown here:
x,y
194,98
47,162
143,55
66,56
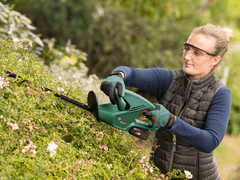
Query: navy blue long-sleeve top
x,y
157,80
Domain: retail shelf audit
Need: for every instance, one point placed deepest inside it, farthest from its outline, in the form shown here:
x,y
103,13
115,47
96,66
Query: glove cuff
x,y
118,73
171,121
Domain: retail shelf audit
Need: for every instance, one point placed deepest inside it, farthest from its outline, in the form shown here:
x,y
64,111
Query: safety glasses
x,y
186,49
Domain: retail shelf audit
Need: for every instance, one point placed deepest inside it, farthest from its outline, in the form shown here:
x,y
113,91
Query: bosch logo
x,y
123,121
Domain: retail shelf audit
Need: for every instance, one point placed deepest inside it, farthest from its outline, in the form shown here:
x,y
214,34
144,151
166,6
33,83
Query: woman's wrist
x,y
119,73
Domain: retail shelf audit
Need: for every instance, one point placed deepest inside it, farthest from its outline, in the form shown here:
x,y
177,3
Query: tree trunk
x,y
204,5
225,75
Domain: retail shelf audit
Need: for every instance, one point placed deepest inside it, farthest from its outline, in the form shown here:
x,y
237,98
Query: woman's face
x,y
197,63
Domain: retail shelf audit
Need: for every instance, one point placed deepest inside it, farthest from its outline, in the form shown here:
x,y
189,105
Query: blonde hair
x,y
222,35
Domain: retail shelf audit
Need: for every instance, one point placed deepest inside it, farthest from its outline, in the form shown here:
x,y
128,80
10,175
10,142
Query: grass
x,y
228,156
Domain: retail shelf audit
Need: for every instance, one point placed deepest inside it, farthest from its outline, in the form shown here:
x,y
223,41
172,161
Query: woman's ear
x,y
216,60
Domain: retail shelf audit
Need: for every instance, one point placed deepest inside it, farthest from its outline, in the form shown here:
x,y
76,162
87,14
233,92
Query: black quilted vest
x,y
190,101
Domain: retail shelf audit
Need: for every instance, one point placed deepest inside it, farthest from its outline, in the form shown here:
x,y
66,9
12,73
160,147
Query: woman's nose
x,y
188,54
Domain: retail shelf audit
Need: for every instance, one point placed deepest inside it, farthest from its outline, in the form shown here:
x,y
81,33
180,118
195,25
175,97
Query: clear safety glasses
x,y
195,52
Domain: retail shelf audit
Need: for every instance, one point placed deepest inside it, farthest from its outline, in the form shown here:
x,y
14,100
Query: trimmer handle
x,y
120,101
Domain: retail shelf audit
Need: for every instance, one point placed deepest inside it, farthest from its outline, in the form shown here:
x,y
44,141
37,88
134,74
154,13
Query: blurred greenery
x,y
138,33
134,33
234,85
62,19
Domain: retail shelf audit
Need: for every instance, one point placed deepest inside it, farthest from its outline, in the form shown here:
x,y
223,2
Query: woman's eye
x,y
197,53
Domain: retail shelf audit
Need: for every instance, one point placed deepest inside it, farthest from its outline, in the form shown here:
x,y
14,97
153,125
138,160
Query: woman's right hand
x,y
109,85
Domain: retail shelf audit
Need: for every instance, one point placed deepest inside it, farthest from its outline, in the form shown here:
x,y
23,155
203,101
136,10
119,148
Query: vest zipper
x,y
197,164
183,106
174,148
173,151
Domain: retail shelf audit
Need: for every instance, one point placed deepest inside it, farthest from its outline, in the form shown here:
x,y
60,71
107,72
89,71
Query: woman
x,y
193,105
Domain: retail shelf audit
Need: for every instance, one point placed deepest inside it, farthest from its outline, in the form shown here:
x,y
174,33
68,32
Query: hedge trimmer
x,y
121,116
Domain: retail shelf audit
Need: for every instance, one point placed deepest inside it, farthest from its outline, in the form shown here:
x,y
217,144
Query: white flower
x,y
16,40
104,147
3,82
78,162
143,158
52,153
61,90
131,172
22,141
109,166
151,170
100,136
12,126
52,147
30,148
188,174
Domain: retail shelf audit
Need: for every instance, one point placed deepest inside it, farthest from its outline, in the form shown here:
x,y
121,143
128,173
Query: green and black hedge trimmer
x,y
121,116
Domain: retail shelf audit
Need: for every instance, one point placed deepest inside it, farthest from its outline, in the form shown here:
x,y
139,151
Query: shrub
x,y
44,138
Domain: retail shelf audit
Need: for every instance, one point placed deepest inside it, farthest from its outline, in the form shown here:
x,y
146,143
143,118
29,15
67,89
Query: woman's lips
x,y
186,64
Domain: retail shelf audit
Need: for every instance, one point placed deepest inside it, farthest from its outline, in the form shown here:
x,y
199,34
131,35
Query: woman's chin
x,y
188,70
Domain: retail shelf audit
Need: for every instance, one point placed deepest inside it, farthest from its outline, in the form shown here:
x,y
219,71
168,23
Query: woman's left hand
x,y
161,116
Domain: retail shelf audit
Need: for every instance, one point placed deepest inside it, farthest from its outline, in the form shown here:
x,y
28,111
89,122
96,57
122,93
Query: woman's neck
x,y
199,77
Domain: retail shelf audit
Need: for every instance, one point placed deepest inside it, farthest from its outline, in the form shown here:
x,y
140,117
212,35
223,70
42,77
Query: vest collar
x,y
199,84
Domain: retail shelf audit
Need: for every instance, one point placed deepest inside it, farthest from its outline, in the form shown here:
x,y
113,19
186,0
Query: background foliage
x,y
134,33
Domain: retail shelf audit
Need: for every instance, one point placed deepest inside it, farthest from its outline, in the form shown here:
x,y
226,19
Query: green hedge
x,y
32,119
